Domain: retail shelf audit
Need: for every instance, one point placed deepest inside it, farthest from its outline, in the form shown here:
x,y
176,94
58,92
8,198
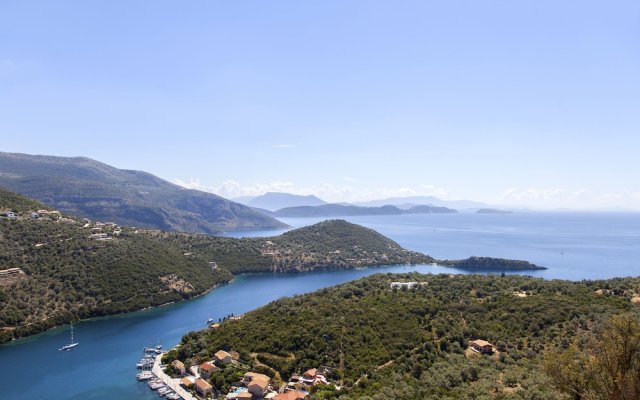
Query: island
x,y
493,211
346,210
491,263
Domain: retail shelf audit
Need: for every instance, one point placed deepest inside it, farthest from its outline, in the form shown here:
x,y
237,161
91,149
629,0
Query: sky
x,y
533,103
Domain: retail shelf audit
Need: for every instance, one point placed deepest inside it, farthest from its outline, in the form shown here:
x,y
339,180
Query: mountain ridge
x,y
89,188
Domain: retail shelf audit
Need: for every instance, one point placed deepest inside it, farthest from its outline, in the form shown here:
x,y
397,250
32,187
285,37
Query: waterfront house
x,y
482,346
178,366
206,369
222,357
203,387
187,382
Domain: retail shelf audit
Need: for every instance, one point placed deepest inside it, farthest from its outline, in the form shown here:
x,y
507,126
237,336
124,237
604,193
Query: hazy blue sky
x,y
525,102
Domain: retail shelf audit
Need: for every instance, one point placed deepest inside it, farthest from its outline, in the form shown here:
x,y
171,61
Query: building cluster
x,y
253,385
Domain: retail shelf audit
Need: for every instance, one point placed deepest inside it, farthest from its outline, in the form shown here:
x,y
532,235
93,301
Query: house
x,y
482,346
187,382
401,285
222,357
311,373
99,236
235,355
203,387
256,383
8,215
178,366
244,396
206,369
291,395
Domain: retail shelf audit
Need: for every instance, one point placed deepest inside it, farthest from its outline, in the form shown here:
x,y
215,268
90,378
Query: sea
x,y
572,245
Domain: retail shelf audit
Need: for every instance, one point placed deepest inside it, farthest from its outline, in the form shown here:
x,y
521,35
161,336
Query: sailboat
x,y
71,345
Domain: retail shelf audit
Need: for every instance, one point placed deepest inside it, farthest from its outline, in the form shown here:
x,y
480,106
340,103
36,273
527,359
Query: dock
x,y
173,383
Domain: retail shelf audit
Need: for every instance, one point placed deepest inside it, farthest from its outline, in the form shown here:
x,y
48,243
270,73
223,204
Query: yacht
x,y
71,345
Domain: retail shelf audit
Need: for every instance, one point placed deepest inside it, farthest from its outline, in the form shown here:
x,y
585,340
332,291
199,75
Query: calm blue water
x,y
103,366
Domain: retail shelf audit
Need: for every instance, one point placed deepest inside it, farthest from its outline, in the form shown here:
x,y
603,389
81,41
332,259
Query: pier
x,y
173,383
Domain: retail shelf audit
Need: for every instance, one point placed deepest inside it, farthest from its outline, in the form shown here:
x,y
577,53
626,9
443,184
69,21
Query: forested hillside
x,y
332,244
56,268
65,275
413,343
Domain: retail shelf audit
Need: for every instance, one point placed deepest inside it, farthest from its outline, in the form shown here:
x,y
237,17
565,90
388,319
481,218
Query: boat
x,y
173,396
153,350
164,391
145,375
156,385
210,321
71,345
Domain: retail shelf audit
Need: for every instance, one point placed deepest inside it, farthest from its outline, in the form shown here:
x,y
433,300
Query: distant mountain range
x,y
273,201
410,201
341,210
88,188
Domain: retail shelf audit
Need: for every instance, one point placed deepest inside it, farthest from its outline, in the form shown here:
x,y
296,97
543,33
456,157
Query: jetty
x,y
173,383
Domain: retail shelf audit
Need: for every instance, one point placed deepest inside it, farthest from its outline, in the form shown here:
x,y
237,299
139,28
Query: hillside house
x,y
256,383
400,285
482,346
291,395
206,369
222,357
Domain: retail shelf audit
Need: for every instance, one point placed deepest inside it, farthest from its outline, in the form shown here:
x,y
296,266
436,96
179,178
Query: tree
x,y
607,368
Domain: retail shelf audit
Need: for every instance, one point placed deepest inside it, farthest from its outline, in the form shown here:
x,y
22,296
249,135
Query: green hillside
x,y
68,276
87,188
332,244
385,343
69,272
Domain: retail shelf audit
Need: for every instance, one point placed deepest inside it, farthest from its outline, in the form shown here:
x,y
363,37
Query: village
x,y
210,380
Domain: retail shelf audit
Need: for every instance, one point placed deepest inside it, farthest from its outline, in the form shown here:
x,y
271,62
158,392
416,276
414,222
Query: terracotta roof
x,y
291,395
177,364
207,366
244,395
186,382
311,372
203,385
482,343
221,354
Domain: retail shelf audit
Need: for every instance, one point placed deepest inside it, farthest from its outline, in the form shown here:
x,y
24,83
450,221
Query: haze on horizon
x,y
530,103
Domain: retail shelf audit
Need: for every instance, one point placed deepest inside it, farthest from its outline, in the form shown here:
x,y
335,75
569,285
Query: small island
x,y
493,211
491,263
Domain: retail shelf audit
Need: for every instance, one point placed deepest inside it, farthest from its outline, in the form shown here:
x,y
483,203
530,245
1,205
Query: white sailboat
x,y
71,345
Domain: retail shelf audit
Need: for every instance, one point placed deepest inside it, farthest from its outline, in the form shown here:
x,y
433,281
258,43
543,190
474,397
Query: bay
x,y
573,246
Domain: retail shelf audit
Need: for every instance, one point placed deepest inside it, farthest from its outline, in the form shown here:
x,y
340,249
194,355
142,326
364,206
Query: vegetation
x,y
69,275
490,263
600,365
88,188
413,343
327,245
